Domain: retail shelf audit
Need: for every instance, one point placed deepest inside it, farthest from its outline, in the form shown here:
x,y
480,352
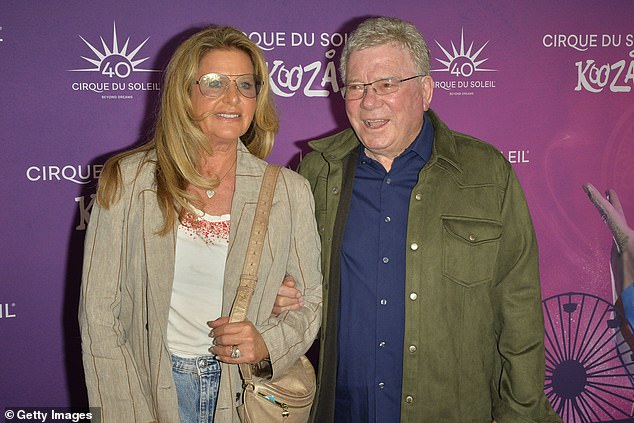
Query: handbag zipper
x,y
282,405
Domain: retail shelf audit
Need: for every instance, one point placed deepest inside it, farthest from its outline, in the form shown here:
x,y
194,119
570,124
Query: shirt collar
x,y
423,143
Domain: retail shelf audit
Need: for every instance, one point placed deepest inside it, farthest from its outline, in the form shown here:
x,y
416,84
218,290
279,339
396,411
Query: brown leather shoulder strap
x,y
249,276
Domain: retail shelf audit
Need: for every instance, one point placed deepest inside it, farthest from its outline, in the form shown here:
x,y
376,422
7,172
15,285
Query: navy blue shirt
x,y
372,296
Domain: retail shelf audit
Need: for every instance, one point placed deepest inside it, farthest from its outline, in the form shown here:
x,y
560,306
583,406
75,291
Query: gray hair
x,y
378,31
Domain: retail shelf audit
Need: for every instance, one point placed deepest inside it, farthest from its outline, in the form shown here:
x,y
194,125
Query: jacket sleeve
x,y
110,370
519,318
291,334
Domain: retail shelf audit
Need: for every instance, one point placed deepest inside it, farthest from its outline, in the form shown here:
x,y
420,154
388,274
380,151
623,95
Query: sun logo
x,y
114,60
463,62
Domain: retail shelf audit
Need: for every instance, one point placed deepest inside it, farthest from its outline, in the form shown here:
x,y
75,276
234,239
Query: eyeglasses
x,y
381,87
214,85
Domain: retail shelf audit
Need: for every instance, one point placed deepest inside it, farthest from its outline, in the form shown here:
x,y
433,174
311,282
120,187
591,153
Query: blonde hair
x,y
177,138
379,31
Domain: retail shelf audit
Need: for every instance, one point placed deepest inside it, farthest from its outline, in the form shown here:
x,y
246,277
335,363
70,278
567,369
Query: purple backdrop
x,y
549,83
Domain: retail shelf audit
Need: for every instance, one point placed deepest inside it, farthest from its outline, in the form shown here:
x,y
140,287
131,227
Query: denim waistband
x,y
203,363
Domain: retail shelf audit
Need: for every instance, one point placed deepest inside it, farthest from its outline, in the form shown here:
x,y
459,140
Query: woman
x,y
166,244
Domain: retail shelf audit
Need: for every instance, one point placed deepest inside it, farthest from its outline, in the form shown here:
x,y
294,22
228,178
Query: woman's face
x,y
224,118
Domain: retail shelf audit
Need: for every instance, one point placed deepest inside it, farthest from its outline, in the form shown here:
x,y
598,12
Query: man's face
x,y
387,124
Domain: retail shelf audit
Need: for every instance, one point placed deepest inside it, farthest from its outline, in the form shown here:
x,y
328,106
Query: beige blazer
x,y
127,284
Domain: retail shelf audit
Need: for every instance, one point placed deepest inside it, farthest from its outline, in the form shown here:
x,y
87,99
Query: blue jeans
x,y
197,381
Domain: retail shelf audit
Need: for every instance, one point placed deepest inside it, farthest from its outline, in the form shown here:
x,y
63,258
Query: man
x,y
432,305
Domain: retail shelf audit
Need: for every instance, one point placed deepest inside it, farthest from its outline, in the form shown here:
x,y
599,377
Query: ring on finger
x,y
235,352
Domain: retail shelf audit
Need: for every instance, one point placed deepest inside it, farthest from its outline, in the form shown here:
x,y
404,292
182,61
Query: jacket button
x,y
472,237
418,197
414,246
335,190
412,348
413,296
409,399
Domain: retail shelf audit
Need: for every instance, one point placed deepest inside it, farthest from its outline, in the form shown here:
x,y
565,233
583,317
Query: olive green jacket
x,y
473,348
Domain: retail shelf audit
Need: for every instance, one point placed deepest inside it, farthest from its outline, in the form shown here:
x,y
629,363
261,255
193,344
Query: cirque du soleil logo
x,y
462,63
113,63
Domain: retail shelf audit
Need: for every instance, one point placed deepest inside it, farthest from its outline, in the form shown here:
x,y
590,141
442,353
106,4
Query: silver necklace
x,y
210,192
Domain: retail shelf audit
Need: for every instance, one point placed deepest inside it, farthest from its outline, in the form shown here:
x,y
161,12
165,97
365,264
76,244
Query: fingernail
x,y
211,333
587,190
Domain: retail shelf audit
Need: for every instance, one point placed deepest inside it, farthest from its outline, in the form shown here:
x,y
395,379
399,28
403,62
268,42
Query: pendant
x,y
210,193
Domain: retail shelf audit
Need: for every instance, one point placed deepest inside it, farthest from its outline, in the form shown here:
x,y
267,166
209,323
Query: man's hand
x,y
288,297
622,257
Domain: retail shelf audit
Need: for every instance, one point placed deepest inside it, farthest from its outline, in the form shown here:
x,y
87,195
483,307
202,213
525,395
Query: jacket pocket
x,y
470,247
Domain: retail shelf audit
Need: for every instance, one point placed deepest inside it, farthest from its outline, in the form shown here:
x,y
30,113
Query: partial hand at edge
x,y
622,256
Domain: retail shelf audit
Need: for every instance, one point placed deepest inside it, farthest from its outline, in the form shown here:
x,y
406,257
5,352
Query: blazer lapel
x,y
160,252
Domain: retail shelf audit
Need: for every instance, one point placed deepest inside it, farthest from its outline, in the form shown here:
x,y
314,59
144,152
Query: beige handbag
x,y
289,397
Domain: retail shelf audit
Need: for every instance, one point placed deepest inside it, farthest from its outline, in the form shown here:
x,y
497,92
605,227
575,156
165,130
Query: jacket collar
x,y
336,147
444,148
249,171
247,164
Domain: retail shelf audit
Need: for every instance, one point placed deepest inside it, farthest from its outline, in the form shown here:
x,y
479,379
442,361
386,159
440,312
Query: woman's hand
x,y
288,297
240,338
622,257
